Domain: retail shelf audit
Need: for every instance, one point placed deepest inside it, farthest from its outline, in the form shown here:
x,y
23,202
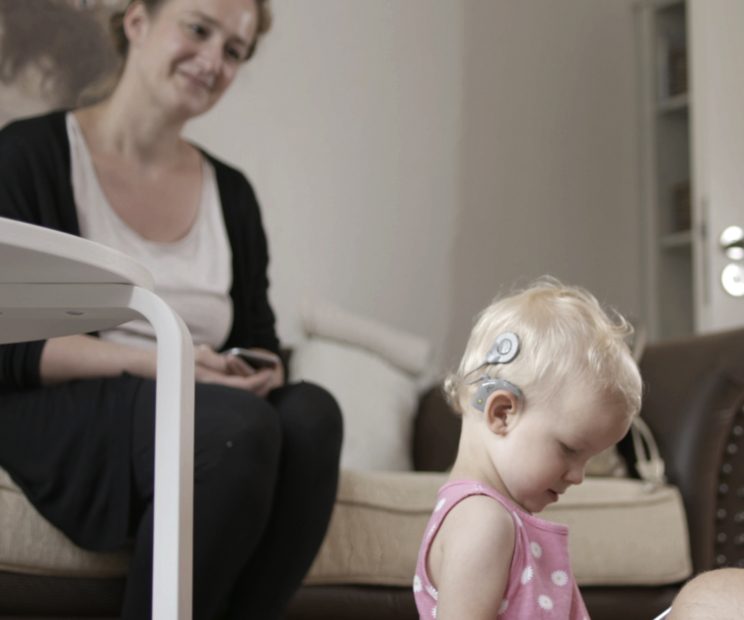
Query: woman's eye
x,y
198,30
567,450
234,54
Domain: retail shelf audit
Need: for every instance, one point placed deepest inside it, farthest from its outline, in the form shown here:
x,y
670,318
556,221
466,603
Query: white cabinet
x,y
666,169
691,59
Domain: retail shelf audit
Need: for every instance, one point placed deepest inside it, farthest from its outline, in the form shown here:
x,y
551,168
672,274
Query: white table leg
x,y
174,459
27,310
54,284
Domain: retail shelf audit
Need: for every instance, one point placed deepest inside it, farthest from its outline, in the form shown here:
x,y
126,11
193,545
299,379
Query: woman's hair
x,y
566,340
121,43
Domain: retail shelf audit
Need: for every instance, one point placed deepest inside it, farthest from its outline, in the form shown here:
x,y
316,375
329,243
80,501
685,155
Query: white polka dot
x,y
545,602
433,592
504,607
434,612
518,520
417,583
536,549
441,503
527,574
432,531
560,578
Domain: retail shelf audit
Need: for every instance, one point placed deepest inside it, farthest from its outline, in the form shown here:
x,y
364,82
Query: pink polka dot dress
x,y
541,584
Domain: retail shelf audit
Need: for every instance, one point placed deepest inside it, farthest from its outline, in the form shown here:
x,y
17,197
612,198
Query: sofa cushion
x,y
30,544
378,401
408,352
622,533
375,372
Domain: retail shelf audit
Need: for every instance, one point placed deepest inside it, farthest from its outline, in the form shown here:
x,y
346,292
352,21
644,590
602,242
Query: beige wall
x,y
347,123
548,154
412,157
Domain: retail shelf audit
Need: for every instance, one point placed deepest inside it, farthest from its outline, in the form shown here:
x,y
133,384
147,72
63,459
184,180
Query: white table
x,y
55,284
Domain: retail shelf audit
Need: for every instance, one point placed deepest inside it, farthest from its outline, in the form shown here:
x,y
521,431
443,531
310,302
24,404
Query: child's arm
x,y
470,559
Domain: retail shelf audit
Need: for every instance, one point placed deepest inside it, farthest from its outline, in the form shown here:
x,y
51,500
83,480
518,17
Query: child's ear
x,y
501,410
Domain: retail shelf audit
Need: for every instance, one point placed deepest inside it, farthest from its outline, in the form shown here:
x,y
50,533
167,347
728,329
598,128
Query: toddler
x,y
546,382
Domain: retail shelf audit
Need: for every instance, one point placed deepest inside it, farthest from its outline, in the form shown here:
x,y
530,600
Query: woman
x,y
76,413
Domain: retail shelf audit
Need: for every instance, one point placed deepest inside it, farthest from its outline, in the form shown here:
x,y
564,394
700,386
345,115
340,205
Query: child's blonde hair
x,y
565,337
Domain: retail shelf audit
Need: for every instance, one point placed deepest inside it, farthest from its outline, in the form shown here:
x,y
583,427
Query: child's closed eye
x,y
567,449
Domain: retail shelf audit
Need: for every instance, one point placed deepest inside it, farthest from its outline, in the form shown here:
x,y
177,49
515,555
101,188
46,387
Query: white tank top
x,y
193,275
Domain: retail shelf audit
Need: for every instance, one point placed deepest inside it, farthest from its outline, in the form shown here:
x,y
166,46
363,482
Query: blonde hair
x,y
565,338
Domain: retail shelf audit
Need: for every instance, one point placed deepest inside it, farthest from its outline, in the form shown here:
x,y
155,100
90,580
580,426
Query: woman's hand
x,y
213,367
85,357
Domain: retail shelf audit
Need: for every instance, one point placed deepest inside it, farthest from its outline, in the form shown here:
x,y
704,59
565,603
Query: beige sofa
x,y
623,533
631,546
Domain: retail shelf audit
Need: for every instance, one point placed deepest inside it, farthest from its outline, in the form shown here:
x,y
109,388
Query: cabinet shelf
x,y
665,104
677,240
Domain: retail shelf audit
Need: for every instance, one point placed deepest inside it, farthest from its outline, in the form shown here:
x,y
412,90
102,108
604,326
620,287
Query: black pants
x,y
265,483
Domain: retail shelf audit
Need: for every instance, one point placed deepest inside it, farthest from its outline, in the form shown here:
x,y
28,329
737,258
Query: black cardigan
x,y
36,187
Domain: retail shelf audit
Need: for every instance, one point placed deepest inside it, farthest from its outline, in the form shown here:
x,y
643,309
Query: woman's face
x,y
189,51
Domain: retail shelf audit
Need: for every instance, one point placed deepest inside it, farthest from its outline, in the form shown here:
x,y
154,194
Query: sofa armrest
x,y
694,391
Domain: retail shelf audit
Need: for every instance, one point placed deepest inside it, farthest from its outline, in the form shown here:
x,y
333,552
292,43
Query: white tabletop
x,y
56,284
33,254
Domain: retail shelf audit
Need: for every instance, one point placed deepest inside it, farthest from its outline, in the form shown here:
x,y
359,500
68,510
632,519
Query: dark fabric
x,y
19,366
68,448
306,493
36,187
251,548
351,602
436,432
98,596
41,596
265,482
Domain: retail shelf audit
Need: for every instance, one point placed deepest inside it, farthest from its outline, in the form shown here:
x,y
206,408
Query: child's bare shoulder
x,y
479,518
471,557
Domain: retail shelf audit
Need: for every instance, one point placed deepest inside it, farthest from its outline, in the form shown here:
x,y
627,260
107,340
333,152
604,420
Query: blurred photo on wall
x,y
54,54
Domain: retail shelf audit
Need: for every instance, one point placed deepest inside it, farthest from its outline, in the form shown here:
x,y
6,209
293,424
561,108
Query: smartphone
x,y
256,359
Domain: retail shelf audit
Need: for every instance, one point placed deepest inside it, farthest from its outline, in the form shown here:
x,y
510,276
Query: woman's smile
x,y
195,45
198,79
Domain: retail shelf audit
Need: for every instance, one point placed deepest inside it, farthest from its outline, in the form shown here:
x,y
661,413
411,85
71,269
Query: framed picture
x,y
53,54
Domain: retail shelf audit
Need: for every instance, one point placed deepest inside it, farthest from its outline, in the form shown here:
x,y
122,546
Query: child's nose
x,y
575,474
